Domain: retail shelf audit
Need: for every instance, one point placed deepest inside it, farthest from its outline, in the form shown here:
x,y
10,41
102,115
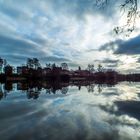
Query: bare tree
x,y
79,68
128,7
64,90
100,68
64,66
4,62
91,67
30,63
1,64
131,7
36,63
48,65
53,66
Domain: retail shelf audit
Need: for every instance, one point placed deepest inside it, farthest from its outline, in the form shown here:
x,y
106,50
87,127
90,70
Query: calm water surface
x,y
85,113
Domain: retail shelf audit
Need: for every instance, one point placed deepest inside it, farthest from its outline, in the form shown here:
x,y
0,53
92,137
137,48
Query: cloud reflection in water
x,y
77,115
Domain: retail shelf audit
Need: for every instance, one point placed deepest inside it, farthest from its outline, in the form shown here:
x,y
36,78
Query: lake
x,y
70,112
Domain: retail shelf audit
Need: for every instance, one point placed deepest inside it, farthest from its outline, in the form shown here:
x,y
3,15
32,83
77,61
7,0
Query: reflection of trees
x,y
33,89
90,88
3,63
64,90
79,87
53,90
3,93
48,91
100,88
33,93
8,86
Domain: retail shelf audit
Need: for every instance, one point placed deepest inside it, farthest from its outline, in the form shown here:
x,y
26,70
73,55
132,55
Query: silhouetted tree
x,y
130,8
100,68
53,66
79,68
30,63
36,63
33,63
64,66
90,67
14,69
48,65
3,63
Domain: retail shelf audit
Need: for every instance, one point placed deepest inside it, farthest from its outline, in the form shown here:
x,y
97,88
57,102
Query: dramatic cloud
x,y
17,50
57,31
128,47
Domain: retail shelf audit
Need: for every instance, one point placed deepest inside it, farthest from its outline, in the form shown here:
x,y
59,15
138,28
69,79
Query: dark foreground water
x,y
94,112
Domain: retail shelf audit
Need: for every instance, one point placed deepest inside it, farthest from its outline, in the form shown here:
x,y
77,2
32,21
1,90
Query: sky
x,y
77,32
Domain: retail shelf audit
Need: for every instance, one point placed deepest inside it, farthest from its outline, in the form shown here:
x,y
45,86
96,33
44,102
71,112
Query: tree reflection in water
x,y
34,89
67,111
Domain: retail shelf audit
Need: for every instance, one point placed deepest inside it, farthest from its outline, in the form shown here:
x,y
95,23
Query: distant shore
x,y
33,71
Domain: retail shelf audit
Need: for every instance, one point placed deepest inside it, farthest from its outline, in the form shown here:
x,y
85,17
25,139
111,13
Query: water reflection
x,y
70,111
33,90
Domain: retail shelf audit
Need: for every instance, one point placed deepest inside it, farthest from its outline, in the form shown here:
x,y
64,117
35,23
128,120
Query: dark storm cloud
x,y
128,47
